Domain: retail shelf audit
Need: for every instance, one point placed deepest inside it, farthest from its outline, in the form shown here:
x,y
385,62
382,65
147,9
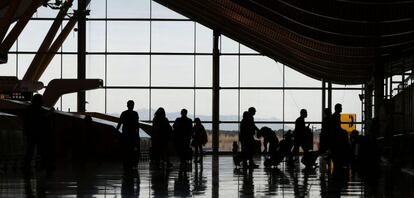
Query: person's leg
x,y
196,154
250,152
244,154
200,150
30,147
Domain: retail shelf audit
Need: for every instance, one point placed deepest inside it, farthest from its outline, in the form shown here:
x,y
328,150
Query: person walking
x,y
300,134
130,136
183,127
199,139
160,138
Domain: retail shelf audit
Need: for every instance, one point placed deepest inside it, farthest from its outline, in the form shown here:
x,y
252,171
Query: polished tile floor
x,y
216,177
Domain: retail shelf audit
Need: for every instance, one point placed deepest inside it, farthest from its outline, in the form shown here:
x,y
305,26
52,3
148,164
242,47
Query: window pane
x,y
228,45
204,39
95,66
172,36
260,71
296,79
52,71
97,9
45,12
128,36
128,9
229,71
117,100
203,105
159,11
295,100
229,105
204,71
70,66
128,70
95,36
172,71
71,42
173,101
69,102
246,50
228,134
268,104
31,42
95,100
23,61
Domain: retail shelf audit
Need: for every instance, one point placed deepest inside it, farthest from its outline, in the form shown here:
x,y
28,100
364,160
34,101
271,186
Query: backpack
x,y
204,138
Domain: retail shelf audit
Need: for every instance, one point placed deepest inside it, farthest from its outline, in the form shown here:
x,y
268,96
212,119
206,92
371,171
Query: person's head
x,y
338,108
130,104
37,100
252,111
197,121
303,113
327,112
184,113
160,112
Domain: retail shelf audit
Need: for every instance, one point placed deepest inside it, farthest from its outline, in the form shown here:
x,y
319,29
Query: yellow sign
x,y
348,122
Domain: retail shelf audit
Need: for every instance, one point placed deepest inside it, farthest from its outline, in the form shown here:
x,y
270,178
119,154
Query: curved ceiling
x,y
342,41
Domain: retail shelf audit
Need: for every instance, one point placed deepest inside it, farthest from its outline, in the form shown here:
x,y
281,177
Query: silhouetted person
x,y
355,143
160,138
130,135
301,134
199,139
340,146
324,137
269,140
183,128
36,128
246,138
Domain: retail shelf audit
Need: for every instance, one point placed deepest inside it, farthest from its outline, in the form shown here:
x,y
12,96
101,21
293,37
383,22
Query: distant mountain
x,y
224,126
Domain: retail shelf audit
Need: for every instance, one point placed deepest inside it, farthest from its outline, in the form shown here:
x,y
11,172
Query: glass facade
x,y
157,57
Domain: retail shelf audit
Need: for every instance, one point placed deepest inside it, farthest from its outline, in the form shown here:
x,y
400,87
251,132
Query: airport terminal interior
x,y
206,98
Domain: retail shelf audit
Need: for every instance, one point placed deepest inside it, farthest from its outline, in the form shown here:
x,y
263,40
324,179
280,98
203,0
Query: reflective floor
x,y
215,178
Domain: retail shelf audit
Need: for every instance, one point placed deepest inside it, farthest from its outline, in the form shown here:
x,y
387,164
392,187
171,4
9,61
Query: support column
x,y
323,97
81,51
216,91
379,89
330,96
368,105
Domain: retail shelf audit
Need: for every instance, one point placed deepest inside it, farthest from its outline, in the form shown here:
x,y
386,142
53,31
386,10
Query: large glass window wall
x,y
157,57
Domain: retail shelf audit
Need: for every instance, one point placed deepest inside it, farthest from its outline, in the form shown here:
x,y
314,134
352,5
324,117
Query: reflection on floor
x,y
215,178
